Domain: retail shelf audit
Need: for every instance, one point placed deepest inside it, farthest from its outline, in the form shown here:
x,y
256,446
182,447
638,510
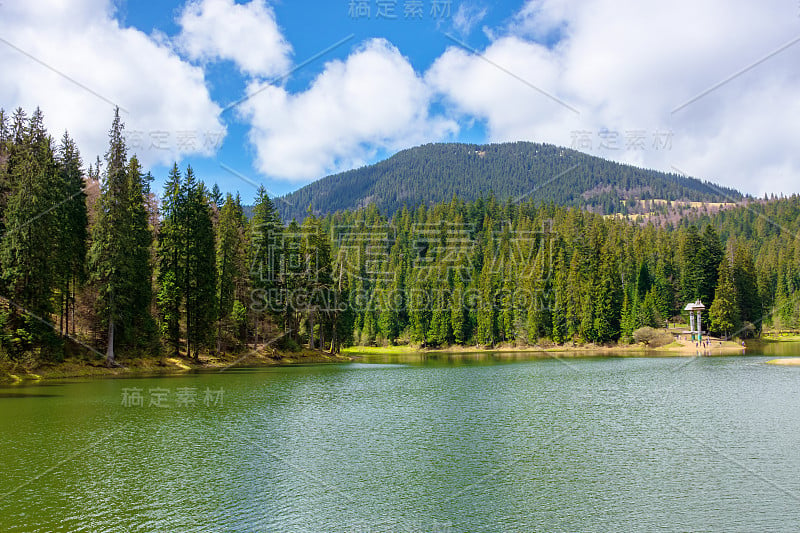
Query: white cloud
x,y
371,101
467,16
166,105
627,66
246,34
512,87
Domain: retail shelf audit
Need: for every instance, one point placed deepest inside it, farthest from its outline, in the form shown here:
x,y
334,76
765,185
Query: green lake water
x,y
629,444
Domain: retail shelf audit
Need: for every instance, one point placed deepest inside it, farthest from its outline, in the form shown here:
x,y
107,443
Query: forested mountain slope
x,y
521,170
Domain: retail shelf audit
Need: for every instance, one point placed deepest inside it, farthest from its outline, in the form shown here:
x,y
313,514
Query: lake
x,y
643,444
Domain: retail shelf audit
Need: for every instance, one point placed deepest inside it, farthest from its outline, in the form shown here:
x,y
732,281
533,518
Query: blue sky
x,y
313,27
709,90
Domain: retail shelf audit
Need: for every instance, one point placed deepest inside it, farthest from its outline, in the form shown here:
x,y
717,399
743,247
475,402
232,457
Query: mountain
x,y
517,171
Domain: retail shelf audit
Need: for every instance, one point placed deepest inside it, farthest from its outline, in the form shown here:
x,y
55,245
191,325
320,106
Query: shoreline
x,y
785,361
173,366
675,349
73,368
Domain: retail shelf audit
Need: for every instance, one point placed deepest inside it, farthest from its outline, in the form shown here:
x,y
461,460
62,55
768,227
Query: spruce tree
x,y
747,294
139,267
271,261
171,260
291,281
72,223
31,228
458,312
216,197
693,265
724,312
318,280
200,284
487,307
711,255
628,317
230,259
559,315
31,224
419,308
343,312
439,331
608,305
119,256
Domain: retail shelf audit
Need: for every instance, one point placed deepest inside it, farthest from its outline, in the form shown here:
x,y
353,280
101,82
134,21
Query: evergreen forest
x,y
95,263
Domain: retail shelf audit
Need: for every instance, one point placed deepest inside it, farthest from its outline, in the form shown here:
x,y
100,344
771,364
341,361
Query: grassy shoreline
x,y
785,361
780,337
72,368
164,366
675,349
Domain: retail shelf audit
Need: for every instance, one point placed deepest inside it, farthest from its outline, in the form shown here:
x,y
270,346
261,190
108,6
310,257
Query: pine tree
x,y
643,281
15,150
272,261
119,256
628,318
785,299
387,318
747,294
292,274
724,312
5,145
171,260
31,223
559,316
507,313
139,240
200,269
216,197
230,259
693,265
608,308
663,293
572,296
712,254
419,309
343,313
647,313
487,307
458,312
72,223
318,280
539,320
440,332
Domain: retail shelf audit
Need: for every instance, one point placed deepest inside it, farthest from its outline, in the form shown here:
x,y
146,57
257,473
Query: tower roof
x,y
696,306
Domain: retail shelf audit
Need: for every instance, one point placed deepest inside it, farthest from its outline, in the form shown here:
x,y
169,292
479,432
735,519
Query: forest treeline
x,y
434,173
92,257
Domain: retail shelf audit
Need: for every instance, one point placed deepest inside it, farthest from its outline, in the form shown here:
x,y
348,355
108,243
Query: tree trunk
x,y
311,331
188,331
110,360
333,337
61,305
219,335
66,311
72,305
